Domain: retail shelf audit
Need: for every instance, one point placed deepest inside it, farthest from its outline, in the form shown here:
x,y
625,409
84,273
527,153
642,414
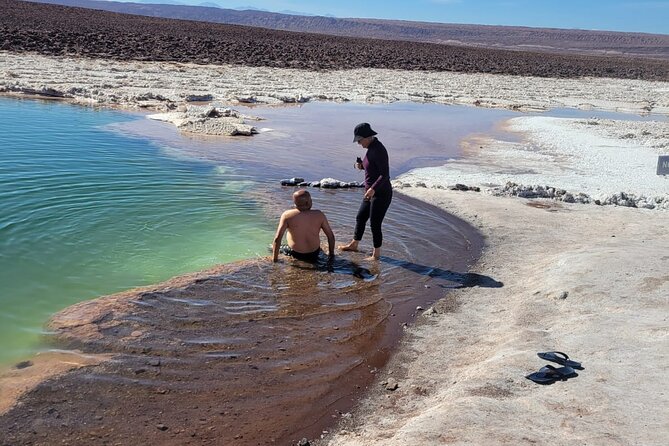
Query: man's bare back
x,y
303,226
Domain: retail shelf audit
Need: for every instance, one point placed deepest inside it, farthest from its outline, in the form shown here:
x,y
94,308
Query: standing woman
x,y
378,190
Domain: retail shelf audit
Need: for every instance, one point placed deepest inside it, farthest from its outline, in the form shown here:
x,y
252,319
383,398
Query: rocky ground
x,y
521,38
58,30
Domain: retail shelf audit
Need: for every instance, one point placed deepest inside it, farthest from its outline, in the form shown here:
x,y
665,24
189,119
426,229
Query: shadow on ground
x,y
461,280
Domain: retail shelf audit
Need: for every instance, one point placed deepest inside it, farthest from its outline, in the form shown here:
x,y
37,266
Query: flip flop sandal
x,y
549,374
560,358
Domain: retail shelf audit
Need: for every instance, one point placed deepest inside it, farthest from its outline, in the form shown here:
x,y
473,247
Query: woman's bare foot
x,y
375,254
353,246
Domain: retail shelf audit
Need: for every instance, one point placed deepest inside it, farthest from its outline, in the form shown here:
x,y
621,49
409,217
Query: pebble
x,y
161,427
23,364
463,187
292,181
391,384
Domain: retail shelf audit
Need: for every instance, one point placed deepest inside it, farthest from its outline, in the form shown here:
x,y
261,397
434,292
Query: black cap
x,y
362,130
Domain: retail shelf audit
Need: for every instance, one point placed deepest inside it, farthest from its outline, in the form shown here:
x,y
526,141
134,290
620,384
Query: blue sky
x,y
613,15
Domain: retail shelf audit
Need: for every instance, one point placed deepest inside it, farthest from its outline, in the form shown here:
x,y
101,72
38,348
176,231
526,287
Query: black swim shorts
x,y
311,257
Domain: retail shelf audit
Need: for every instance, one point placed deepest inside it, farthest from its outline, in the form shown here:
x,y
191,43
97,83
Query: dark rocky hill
x,y
508,37
60,30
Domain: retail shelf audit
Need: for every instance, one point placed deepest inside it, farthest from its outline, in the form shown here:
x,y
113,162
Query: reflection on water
x,y
314,140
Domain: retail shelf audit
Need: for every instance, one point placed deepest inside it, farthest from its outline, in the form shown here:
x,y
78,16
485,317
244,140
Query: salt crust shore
x,y
597,158
163,86
461,373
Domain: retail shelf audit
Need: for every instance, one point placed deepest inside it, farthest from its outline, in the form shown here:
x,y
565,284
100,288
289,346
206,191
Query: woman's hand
x,y
369,194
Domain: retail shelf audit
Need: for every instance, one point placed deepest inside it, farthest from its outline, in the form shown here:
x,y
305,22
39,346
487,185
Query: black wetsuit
x,y
377,177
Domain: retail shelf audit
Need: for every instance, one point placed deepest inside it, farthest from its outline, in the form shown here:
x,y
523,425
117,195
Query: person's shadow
x,y
462,280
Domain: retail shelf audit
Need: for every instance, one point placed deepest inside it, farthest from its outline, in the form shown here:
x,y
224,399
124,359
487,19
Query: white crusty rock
x,y
623,199
331,183
217,127
208,120
660,202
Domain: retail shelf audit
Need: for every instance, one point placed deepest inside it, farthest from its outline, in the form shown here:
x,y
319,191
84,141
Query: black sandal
x,y
549,374
560,358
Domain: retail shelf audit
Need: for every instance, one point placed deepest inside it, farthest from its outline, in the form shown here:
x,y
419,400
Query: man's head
x,y
302,200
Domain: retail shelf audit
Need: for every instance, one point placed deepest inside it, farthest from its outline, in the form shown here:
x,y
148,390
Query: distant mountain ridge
x,y
486,36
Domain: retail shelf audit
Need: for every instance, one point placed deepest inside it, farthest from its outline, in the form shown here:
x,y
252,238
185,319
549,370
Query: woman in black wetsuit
x,y
378,190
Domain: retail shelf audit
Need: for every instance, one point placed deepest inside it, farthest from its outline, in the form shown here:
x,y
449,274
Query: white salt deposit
x,y
596,157
163,86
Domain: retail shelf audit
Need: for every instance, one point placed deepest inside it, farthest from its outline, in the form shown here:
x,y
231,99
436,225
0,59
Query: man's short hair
x,y
302,200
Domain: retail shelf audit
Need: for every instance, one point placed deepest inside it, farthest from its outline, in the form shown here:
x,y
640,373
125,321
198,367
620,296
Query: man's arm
x,y
278,237
325,226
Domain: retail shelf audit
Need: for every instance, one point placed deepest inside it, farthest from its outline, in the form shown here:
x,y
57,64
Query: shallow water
x,y
87,211
314,140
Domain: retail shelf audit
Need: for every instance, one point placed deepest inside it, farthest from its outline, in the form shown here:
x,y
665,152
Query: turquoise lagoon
x,y
87,211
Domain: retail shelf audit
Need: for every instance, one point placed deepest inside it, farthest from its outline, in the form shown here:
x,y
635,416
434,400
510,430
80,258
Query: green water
x,y
86,211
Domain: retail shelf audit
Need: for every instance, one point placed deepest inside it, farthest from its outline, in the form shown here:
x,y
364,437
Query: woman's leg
x,y
361,219
360,223
379,206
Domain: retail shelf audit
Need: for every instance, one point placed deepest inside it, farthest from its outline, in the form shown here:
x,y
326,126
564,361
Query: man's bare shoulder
x,y
315,213
311,215
290,213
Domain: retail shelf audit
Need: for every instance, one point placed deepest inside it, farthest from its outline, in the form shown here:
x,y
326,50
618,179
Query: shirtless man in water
x,y
304,226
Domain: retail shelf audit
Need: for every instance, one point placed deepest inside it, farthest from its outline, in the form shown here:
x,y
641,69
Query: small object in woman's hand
x,y
358,163
368,194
